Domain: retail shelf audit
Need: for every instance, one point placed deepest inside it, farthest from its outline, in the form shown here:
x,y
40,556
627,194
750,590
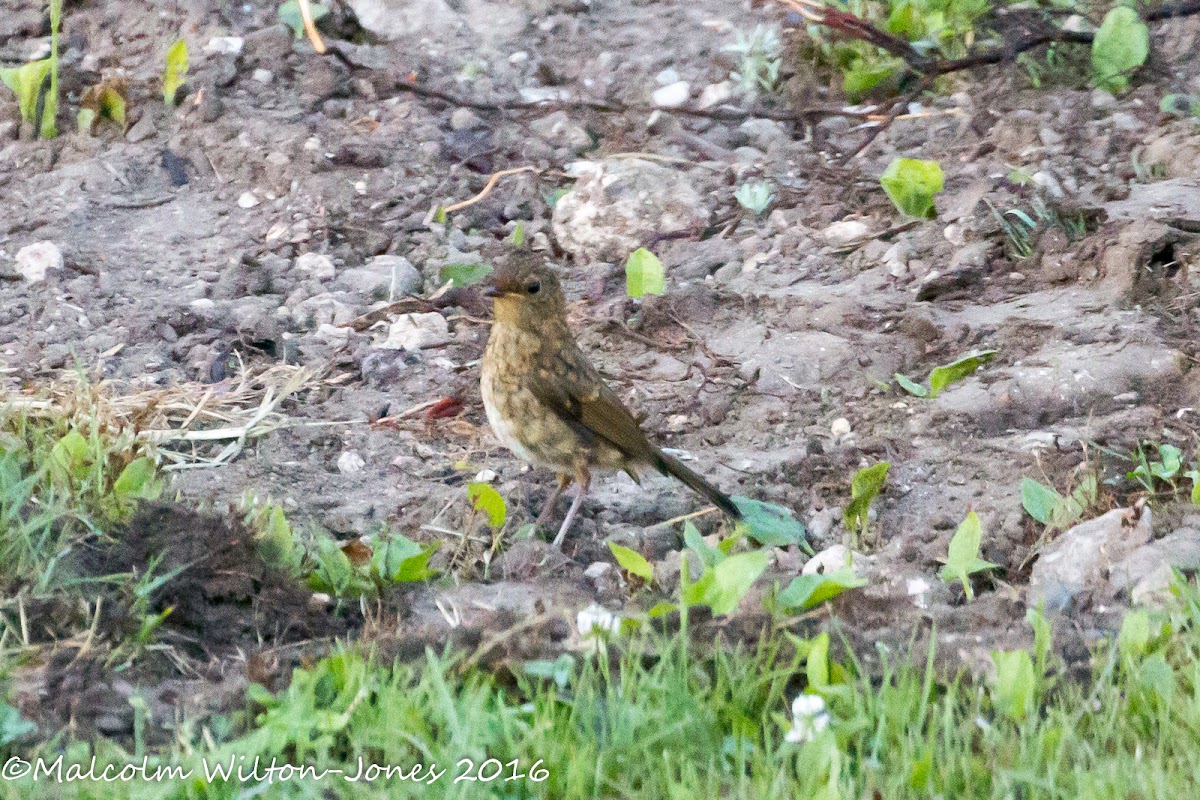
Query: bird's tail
x,y
670,466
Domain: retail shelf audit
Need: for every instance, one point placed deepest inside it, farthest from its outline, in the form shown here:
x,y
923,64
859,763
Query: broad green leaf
x,y
866,484
12,725
518,235
27,81
68,456
276,543
644,274
632,561
175,71
912,184
464,274
1039,501
1121,46
1015,684
731,579
946,374
439,215
1169,465
661,609
770,524
486,499
809,591
1156,676
911,386
962,560
289,14
560,670
415,568
137,480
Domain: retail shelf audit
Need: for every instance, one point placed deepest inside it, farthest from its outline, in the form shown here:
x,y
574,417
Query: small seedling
x,y
1167,467
644,274
810,591
632,562
912,184
1120,47
721,587
1015,685
866,484
945,374
755,196
962,560
486,499
1053,510
105,100
175,71
758,60
769,524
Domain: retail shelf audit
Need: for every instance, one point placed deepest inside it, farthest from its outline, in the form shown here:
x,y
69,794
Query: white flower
x,y
597,618
809,718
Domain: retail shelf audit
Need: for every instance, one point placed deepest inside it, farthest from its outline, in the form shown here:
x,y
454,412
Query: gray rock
x,y
326,308
396,19
618,204
1146,572
143,129
1080,560
560,130
414,332
267,47
382,278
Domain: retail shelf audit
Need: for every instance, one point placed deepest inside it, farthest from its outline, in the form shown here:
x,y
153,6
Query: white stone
x,y
350,462
672,95
316,264
840,427
416,332
35,260
846,231
225,45
247,200
714,94
263,75
596,618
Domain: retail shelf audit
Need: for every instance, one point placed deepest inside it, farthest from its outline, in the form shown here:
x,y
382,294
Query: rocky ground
x,y
290,194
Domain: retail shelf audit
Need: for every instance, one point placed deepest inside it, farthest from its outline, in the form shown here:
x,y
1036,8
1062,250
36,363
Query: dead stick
x,y
310,26
487,189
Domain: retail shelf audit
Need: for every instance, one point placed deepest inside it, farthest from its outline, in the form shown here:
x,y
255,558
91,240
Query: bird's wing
x,y
572,388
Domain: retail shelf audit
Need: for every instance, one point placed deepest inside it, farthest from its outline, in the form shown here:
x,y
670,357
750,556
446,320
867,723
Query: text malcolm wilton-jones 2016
x,y
258,771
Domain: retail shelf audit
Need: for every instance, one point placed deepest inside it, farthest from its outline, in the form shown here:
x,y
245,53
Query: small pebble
x,y
247,200
350,462
673,95
35,260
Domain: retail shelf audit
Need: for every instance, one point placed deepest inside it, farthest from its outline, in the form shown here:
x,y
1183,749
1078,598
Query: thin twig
x,y
310,26
487,188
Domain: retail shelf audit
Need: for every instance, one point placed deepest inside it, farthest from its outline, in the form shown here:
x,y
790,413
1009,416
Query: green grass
x,y
684,726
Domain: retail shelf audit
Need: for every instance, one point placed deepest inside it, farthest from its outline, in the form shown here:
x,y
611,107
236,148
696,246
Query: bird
x,y
546,402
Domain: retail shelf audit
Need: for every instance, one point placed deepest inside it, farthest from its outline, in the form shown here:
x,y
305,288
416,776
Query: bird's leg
x,y
584,479
564,480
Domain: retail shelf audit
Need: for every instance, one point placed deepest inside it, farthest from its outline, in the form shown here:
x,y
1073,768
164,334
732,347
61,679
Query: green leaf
x,y
770,524
68,457
726,584
632,562
644,274
407,567
709,556
1180,105
27,81
1121,46
816,667
464,274
1170,464
289,14
1194,475
861,78
912,184
1014,687
946,374
866,484
560,670
12,725
1043,643
137,480
810,591
1040,501
175,71
1134,638
554,196
439,216
962,560
276,542
1156,676
518,235
911,386
486,499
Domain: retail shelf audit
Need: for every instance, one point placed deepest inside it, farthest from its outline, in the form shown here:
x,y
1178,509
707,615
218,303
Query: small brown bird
x,y
549,405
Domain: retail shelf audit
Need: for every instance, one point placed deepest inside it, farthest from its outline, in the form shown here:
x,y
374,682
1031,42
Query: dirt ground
x,y
192,247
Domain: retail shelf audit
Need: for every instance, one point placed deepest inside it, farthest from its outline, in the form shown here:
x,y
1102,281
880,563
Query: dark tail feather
x,y
670,466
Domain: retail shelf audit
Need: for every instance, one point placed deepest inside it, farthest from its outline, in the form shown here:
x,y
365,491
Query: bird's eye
x,y
534,287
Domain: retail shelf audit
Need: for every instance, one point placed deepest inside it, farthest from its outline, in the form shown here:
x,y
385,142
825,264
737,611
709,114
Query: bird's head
x,y
526,291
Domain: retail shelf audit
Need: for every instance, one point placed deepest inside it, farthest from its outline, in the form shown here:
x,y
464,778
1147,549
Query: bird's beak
x,y
492,290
